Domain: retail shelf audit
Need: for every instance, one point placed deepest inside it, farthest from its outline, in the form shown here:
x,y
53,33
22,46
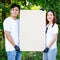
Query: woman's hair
x,y
54,19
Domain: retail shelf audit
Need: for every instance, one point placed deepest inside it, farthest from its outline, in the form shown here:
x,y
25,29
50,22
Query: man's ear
x,y
10,11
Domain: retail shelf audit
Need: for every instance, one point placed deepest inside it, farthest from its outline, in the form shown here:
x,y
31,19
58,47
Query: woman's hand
x,y
46,50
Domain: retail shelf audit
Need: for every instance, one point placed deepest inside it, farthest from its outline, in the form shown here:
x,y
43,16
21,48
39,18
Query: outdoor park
x,y
28,5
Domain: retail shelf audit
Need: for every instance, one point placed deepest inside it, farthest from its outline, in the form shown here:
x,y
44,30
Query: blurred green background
x,y
28,5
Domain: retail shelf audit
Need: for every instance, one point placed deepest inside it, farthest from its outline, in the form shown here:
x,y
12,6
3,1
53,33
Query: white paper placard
x,y
32,30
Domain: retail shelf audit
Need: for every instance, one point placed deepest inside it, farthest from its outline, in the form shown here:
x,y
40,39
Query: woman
x,y
50,51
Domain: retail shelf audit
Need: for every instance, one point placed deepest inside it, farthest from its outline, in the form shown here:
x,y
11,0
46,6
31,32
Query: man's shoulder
x,y
7,20
17,20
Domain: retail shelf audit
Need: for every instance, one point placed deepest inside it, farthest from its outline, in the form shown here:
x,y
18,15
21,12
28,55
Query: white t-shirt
x,y
12,26
49,35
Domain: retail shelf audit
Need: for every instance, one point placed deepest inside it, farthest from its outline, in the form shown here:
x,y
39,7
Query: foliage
x,y
28,5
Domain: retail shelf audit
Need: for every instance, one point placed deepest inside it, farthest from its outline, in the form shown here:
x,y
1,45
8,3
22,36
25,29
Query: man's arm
x,y
10,39
8,36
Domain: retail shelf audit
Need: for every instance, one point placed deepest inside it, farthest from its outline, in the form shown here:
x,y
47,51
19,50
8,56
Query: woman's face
x,y
50,16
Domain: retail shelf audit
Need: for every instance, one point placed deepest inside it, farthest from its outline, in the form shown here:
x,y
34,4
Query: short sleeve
x,y
55,29
6,25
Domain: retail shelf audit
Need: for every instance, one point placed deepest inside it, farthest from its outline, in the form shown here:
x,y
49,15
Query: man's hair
x,y
14,5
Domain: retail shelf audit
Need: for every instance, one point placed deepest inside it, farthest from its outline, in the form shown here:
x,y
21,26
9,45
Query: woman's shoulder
x,y
47,25
55,25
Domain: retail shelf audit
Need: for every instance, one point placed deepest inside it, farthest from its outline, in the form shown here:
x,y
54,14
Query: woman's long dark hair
x,y
54,19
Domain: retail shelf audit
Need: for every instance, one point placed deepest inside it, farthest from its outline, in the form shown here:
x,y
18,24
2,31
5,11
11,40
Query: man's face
x,y
14,11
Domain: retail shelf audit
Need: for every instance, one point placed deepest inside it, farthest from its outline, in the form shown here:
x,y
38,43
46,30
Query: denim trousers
x,y
14,55
51,55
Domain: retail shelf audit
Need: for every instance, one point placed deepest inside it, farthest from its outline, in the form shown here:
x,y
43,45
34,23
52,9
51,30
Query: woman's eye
x,y
51,15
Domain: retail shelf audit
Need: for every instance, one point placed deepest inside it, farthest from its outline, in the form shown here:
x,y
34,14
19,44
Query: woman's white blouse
x,y
49,35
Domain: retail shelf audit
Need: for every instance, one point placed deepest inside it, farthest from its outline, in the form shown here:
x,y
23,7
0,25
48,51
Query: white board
x,y
32,30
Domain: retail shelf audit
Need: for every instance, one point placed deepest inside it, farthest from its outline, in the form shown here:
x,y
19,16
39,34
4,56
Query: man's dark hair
x,y
14,5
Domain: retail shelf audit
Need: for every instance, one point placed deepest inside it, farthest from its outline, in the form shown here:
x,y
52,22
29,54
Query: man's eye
x,y
16,10
13,9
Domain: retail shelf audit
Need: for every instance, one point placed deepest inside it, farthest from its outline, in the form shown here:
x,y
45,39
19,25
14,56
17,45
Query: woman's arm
x,y
53,40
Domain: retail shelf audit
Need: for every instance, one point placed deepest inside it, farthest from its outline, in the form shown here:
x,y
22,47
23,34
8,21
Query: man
x,y
11,30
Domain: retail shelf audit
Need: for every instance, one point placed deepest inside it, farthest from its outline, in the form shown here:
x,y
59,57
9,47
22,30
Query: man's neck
x,y
13,17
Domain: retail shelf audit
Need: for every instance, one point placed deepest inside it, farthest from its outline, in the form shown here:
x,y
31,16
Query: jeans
x,y
14,55
51,55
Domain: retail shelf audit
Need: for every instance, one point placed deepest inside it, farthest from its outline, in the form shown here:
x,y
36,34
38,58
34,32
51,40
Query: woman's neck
x,y
50,23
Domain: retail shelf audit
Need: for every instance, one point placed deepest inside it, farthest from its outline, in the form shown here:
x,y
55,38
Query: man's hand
x,y
17,48
46,50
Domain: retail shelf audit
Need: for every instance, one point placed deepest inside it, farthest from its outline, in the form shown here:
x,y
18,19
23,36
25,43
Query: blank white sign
x,y
32,30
